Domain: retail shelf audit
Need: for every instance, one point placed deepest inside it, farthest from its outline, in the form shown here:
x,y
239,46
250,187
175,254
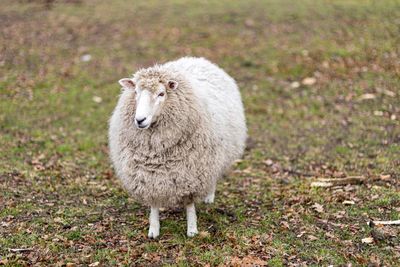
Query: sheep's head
x,y
150,94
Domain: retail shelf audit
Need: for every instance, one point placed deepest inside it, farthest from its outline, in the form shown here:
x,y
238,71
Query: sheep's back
x,y
219,95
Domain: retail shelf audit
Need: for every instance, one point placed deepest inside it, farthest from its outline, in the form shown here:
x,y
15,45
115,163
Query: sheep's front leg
x,y
191,220
154,229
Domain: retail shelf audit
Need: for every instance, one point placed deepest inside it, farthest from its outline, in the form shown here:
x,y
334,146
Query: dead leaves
x,y
204,234
43,162
248,261
385,231
318,208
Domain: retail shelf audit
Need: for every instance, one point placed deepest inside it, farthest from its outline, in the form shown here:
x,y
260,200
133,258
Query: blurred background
x,y
320,83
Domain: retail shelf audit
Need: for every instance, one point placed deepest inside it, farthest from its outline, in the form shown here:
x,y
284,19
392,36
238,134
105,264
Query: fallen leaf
x,y
330,235
309,81
389,93
386,92
367,240
58,220
285,224
301,234
318,207
295,85
97,99
312,238
385,177
249,22
367,96
268,162
86,58
247,261
321,184
204,234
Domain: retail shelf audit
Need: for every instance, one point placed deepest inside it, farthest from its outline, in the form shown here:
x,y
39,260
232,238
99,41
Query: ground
x,y
320,83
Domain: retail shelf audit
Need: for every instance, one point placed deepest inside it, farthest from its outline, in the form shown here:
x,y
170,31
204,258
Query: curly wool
x,y
178,159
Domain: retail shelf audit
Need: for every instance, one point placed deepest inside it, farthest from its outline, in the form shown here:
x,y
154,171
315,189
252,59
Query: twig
x,y
329,182
20,249
373,223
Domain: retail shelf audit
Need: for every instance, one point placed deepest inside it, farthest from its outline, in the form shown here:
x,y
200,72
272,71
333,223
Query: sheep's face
x,y
150,97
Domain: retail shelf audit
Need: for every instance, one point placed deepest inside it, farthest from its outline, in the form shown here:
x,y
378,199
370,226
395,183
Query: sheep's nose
x,y
139,121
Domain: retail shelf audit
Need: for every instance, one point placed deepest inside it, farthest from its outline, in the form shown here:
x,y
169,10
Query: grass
x,y
60,199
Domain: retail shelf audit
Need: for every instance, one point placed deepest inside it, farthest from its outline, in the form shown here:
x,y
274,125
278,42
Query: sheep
x,y
176,129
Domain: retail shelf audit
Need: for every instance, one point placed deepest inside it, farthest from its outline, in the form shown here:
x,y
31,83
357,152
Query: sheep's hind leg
x,y
211,196
154,229
191,220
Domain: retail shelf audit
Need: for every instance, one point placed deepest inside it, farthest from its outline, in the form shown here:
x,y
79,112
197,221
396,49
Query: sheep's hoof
x,y
153,233
209,199
192,232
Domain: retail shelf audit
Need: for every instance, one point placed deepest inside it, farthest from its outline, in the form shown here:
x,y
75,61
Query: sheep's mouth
x,y
146,126
143,126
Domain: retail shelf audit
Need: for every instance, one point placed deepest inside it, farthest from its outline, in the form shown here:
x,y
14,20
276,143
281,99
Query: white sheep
x,y
176,129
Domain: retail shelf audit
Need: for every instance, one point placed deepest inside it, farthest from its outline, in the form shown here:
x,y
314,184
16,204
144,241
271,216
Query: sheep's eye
x,y
161,94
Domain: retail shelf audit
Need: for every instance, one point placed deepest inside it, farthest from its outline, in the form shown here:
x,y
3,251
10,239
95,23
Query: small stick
x,y
343,181
329,182
20,249
373,223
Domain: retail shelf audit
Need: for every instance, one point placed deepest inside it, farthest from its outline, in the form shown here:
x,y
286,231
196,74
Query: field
x,y
320,81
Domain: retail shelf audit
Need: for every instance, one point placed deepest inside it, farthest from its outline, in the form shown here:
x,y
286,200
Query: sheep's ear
x,y
172,84
127,83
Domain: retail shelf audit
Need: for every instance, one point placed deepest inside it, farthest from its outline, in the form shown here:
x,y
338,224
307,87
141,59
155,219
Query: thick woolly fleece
x,y
198,134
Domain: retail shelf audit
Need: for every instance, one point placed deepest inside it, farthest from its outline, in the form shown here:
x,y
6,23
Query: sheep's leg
x,y
191,220
211,195
154,229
